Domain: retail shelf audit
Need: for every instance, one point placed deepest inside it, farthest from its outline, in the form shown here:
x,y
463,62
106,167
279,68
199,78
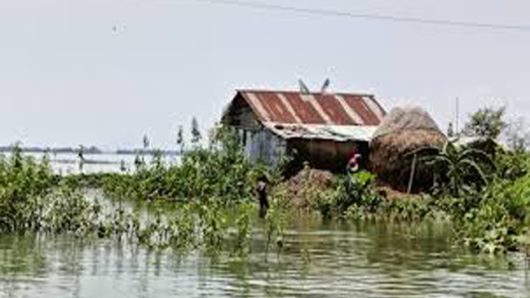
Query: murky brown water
x,y
368,260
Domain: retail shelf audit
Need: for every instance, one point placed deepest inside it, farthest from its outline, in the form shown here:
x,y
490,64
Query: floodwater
x,y
68,163
317,260
363,260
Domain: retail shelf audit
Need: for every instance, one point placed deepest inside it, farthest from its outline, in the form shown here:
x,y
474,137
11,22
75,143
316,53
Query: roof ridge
x,y
316,107
298,92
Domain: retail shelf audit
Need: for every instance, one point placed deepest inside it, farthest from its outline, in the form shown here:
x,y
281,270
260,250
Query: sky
x,y
108,72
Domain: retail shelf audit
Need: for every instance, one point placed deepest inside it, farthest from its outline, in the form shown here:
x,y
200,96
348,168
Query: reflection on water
x,y
357,261
363,260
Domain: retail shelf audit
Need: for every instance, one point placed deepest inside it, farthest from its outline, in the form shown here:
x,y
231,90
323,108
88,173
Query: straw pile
x,y
310,178
403,132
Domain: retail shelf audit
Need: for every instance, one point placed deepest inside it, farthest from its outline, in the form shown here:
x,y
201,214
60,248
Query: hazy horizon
x,y
106,73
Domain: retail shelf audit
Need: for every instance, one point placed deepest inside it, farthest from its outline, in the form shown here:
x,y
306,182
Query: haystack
x,y
307,178
402,133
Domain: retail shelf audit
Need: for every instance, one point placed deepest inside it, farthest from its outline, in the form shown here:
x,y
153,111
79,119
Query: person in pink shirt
x,y
354,163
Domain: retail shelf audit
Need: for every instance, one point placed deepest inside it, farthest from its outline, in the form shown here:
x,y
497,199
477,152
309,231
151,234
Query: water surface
x,y
68,163
363,260
317,260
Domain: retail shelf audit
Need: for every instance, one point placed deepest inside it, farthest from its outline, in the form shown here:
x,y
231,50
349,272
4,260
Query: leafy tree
x,y
195,131
517,135
486,122
512,165
180,139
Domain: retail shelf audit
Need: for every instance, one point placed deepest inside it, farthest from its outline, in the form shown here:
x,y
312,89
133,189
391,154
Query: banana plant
x,y
458,168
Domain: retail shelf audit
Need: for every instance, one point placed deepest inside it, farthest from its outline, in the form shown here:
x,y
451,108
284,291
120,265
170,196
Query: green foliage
x,y
207,200
458,170
486,123
511,165
487,201
180,139
405,209
349,190
23,184
243,225
517,135
276,218
219,172
499,218
493,219
355,197
34,200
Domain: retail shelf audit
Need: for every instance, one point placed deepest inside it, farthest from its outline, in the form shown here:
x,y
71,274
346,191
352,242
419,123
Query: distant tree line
x,y
491,123
146,149
35,149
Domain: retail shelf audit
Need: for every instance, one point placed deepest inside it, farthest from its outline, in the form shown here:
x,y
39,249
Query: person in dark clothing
x,y
261,191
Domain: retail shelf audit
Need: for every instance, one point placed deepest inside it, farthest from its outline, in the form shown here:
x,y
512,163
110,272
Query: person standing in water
x,y
261,191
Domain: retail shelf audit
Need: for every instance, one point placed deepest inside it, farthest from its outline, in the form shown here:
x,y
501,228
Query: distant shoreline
x,y
88,151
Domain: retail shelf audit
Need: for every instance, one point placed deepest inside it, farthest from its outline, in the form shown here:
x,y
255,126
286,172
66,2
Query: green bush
x,y
348,190
218,171
500,218
24,183
512,165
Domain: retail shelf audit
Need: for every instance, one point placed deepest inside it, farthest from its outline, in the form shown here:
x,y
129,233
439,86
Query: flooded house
x,y
322,129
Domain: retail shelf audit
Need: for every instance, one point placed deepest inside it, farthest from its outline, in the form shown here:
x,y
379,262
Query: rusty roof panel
x,y
357,103
275,107
305,112
316,108
335,110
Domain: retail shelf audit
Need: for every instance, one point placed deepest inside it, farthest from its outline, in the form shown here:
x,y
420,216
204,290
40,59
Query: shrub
x,y
349,190
219,171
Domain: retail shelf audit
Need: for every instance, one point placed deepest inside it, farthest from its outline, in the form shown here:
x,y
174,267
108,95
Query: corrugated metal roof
x,y
328,116
339,133
289,107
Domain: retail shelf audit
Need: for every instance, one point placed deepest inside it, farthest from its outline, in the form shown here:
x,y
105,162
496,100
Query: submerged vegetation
x,y
487,208
217,173
486,196
204,202
207,200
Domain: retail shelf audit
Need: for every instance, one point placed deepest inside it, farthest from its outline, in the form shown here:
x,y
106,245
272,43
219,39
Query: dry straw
x,y
402,133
